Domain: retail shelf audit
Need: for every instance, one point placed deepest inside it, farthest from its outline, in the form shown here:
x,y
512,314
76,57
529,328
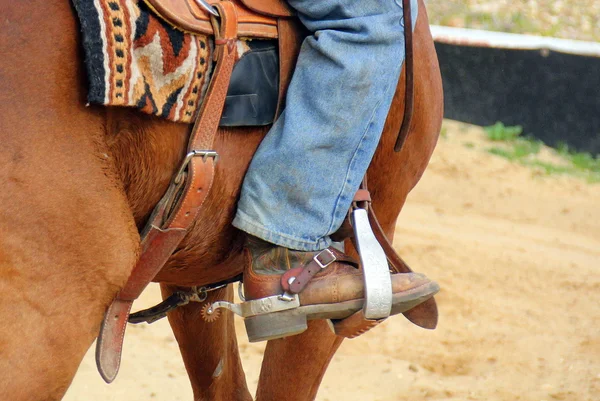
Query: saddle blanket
x,y
133,58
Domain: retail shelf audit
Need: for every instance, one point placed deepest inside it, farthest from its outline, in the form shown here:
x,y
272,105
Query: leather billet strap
x,y
176,212
289,42
409,62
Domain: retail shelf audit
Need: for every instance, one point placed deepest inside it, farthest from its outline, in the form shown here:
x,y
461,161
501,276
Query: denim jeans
x,y
304,175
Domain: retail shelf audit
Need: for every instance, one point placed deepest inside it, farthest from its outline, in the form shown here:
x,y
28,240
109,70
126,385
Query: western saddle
x,y
228,21
256,18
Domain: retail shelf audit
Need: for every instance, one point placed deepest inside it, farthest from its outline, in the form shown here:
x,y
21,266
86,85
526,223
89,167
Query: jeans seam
x,y
352,163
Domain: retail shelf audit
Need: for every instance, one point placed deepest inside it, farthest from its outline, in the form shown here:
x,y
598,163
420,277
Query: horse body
x,y
78,182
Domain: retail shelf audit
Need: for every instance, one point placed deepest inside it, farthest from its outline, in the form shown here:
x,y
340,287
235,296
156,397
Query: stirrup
x,y
276,316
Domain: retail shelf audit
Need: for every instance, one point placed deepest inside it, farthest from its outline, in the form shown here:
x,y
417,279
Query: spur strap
x,y
295,280
179,207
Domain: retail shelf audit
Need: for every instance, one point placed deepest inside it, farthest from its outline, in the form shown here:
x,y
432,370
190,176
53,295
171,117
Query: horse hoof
x,y
274,325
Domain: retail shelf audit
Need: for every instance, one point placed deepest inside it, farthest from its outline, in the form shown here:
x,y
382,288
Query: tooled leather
x,y
207,123
245,14
158,245
186,15
201,174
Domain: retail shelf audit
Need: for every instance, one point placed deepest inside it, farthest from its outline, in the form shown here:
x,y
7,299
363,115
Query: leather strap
x,y
302,275
179,207
274,8
354,325
289,42
409,95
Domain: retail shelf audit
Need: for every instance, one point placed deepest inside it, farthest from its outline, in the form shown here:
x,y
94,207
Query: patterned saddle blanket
x,y
133,58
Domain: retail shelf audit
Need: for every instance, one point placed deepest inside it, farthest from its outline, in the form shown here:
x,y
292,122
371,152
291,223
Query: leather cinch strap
x,y
179,207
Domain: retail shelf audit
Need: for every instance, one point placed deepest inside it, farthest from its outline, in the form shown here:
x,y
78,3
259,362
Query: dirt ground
x,y
517,254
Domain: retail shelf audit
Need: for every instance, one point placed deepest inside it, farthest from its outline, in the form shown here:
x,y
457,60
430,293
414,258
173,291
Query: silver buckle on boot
x,y
326,262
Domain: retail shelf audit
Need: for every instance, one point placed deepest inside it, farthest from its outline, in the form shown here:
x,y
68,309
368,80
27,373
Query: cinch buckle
x,y
205,154
323,264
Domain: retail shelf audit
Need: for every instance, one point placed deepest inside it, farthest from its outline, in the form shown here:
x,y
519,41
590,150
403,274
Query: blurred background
x,y
506,219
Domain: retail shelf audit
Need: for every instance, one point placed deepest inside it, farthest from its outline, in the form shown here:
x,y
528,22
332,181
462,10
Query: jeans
x,y
304,175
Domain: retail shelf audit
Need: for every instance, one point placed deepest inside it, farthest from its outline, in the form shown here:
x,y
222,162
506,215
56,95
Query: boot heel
x,y
274,325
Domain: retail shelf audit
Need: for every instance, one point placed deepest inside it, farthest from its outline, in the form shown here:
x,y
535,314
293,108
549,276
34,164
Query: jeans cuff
x,y
246,224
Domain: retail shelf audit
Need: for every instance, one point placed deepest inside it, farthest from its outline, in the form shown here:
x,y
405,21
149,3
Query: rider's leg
x,y
306,171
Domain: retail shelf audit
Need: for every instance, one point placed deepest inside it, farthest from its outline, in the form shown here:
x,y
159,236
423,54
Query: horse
x,y
80,181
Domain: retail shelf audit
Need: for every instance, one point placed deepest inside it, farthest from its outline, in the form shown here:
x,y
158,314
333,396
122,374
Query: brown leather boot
x,y
328,283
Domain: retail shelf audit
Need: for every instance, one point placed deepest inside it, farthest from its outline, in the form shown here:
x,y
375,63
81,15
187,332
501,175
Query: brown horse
x,y
78,182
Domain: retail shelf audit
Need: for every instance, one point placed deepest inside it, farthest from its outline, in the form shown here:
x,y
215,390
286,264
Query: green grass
x,y
444,132
501,132
502,152
523,150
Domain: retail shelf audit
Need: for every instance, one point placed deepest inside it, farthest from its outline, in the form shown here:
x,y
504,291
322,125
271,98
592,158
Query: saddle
x,y
256,18
229,21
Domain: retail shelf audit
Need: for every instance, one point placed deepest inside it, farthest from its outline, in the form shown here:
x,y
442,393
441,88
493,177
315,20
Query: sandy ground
x,y
517,254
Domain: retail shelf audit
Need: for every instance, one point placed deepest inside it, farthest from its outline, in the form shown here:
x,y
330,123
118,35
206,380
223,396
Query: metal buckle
x,y
208,7
325,263
205,154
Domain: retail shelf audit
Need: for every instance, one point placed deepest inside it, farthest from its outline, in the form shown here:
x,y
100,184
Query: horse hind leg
x,y
67,238
209,349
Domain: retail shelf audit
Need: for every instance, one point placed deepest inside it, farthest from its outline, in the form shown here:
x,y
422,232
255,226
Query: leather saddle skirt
x,y
256,18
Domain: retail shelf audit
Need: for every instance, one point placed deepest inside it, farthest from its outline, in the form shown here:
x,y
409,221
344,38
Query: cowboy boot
x,y
329,285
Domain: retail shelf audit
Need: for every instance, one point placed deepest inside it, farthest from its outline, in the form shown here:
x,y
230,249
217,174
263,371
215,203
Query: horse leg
x,y
293,367
67,238
209,349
